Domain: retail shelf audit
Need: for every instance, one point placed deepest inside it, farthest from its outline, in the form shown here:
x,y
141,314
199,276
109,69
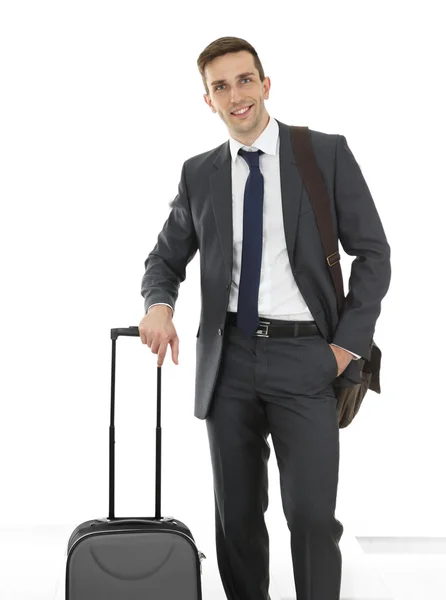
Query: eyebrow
x,y
241,76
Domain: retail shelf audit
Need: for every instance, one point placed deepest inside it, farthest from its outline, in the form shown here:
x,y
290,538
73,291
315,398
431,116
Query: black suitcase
x,y
133,558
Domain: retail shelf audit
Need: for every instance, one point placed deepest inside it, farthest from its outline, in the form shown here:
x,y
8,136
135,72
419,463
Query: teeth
x,y
239,112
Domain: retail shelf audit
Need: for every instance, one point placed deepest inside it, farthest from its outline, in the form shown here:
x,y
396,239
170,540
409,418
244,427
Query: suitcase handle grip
x,y
132,331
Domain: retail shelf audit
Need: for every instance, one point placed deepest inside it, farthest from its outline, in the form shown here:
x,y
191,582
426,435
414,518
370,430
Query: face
x,y
229,92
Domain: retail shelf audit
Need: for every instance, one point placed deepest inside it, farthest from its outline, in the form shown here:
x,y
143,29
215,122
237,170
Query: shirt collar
x,y
267,141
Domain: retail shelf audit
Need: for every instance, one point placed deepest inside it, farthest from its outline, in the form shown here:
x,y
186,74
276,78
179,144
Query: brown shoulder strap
x,y
315,185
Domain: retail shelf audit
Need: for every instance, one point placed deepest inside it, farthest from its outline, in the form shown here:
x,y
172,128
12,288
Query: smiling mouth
x,y
247,112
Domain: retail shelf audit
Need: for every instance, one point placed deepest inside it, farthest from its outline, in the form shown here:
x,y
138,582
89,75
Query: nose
x,y
236,97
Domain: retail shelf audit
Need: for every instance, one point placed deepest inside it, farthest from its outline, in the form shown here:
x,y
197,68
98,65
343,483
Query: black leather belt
x,y
278,328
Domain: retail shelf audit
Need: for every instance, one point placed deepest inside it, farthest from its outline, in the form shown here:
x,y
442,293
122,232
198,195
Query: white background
x,y
101,103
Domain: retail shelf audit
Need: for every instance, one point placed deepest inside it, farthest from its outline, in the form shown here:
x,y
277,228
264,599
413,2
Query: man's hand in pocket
x,y
343,357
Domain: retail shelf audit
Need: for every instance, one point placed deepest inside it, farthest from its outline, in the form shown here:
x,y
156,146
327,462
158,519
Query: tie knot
x,y
252,158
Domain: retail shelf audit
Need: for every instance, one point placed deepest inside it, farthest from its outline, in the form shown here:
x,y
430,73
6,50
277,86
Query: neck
x,y
251,136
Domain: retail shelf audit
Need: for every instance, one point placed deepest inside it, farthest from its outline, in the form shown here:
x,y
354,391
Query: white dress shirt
x,y
279,296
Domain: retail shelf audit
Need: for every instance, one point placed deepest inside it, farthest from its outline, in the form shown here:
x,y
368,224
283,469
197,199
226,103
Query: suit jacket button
x,y
219,332
227,287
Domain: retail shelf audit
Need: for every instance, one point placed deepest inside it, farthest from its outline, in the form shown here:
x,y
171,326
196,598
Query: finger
x,y
174,345
162,353
142,336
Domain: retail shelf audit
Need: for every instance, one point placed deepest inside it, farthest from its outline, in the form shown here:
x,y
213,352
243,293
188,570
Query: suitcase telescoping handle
x,y
132,331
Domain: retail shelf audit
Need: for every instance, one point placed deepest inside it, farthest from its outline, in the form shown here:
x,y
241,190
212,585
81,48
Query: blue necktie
x,y
248,293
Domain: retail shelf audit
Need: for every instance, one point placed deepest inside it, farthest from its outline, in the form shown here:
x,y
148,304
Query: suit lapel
x,y
221,195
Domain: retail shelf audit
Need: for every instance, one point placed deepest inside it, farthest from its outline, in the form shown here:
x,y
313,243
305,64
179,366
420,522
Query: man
x,y
263,363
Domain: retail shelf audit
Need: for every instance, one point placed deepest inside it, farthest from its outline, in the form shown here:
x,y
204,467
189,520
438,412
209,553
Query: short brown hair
x,y
222,46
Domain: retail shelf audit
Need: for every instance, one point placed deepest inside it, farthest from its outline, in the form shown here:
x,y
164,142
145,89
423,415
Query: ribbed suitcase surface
x,y
133,558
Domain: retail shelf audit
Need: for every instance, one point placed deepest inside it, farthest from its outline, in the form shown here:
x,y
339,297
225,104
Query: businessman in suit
x,y
270,342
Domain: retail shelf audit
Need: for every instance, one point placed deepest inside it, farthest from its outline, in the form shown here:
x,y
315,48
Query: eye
x,y
244,79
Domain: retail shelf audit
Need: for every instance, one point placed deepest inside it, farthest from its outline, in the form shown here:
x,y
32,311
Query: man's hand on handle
x,y
158,331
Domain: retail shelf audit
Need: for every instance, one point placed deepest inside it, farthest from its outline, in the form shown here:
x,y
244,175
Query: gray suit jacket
x,y
201,219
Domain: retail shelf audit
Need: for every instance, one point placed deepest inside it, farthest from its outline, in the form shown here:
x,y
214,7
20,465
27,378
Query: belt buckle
x,y
259,332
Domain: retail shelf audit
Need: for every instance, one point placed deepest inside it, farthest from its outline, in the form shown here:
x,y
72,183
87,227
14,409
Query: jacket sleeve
x,y
361,234
165,267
